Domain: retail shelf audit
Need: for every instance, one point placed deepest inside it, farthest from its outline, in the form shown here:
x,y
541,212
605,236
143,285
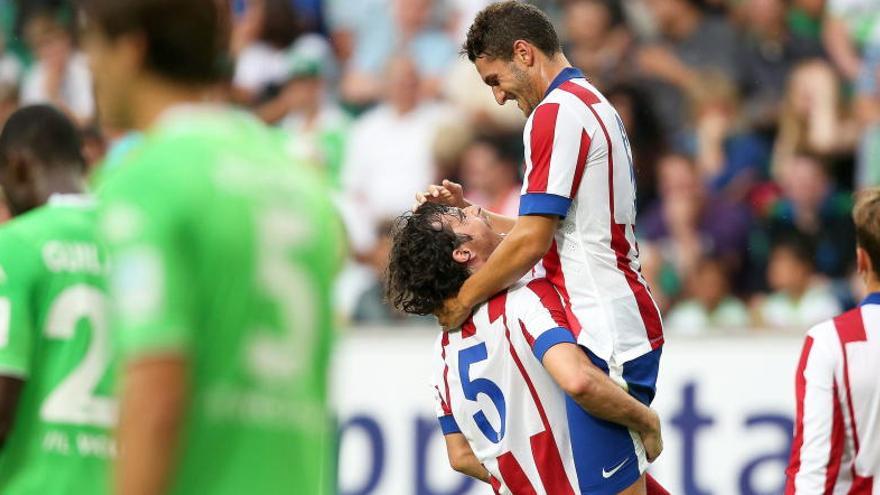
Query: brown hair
x,y
866,216
498,26
186,39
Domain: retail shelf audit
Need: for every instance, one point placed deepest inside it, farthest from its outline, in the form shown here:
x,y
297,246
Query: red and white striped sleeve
x,y
541,317
819,434
440,387
556,146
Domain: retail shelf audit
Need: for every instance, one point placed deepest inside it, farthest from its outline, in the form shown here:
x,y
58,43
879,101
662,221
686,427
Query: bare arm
x,y
10,391
840,47
594,391
462,458
523,247
450,193
152,408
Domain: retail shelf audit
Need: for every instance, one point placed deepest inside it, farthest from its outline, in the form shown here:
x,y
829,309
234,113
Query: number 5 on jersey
x,y
472,388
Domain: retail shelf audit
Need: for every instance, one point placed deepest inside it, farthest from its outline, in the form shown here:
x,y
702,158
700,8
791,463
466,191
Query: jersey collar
x,y
567,74
71,200
873,298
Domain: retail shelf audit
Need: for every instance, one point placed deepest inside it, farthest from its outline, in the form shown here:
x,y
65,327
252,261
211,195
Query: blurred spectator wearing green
x,y
317,126
709,304
60,74
800,298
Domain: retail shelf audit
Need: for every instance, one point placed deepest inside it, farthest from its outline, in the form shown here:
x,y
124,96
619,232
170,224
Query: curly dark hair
x,y
421,271
498,26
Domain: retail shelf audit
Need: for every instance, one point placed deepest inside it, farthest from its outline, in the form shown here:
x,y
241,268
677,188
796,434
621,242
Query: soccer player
x,y
222,252
577,210
533,431
836,447
56,371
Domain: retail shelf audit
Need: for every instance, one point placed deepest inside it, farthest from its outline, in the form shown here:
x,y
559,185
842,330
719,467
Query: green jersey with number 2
x,y
222,250
53,335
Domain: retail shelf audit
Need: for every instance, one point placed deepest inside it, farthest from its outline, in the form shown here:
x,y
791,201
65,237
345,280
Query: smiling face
x,y
509,80
472,222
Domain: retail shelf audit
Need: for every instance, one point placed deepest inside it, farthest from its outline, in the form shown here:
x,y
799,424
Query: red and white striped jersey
x,y
836,447
490,385
579,167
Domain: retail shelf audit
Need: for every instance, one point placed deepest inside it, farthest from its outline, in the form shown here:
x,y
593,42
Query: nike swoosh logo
x,y
608,474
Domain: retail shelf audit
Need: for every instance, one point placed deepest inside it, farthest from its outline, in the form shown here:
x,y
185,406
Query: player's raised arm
x,y
518,253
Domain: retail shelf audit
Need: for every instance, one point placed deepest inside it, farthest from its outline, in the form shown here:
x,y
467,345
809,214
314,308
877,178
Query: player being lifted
x,y
577,209
836,447
518,351
56,405
222,253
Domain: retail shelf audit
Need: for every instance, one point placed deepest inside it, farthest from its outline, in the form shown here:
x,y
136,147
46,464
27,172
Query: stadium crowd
x,y
751,123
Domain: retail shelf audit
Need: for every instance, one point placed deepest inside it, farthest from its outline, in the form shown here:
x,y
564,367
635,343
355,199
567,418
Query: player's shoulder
x,y
828,333
529,294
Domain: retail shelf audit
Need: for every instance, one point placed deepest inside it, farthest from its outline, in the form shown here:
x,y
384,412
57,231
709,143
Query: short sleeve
x,y
16,322
440,388
152,310
543,318
557,146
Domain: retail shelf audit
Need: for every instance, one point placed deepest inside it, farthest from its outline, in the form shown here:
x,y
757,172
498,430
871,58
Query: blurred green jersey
x,y
223,250
54,335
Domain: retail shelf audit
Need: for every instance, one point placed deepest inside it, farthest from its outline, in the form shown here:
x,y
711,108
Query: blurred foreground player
x,y
836,446
222,253
56,380
542,432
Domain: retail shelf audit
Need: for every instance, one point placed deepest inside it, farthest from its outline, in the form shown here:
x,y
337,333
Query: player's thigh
x,y
608,457
637,488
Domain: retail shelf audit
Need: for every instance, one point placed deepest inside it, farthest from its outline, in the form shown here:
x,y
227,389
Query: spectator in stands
x,y
411,30
261,36
804,18
800,298
317,126
388,155
597,40
10,66
730,157
867,109
850,27
60,75
691,42
685,225
646,138
812,207
709,304
490,173
812,117
769,53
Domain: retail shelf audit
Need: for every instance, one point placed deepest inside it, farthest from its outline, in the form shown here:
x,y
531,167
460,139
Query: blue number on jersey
x,y
472,388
